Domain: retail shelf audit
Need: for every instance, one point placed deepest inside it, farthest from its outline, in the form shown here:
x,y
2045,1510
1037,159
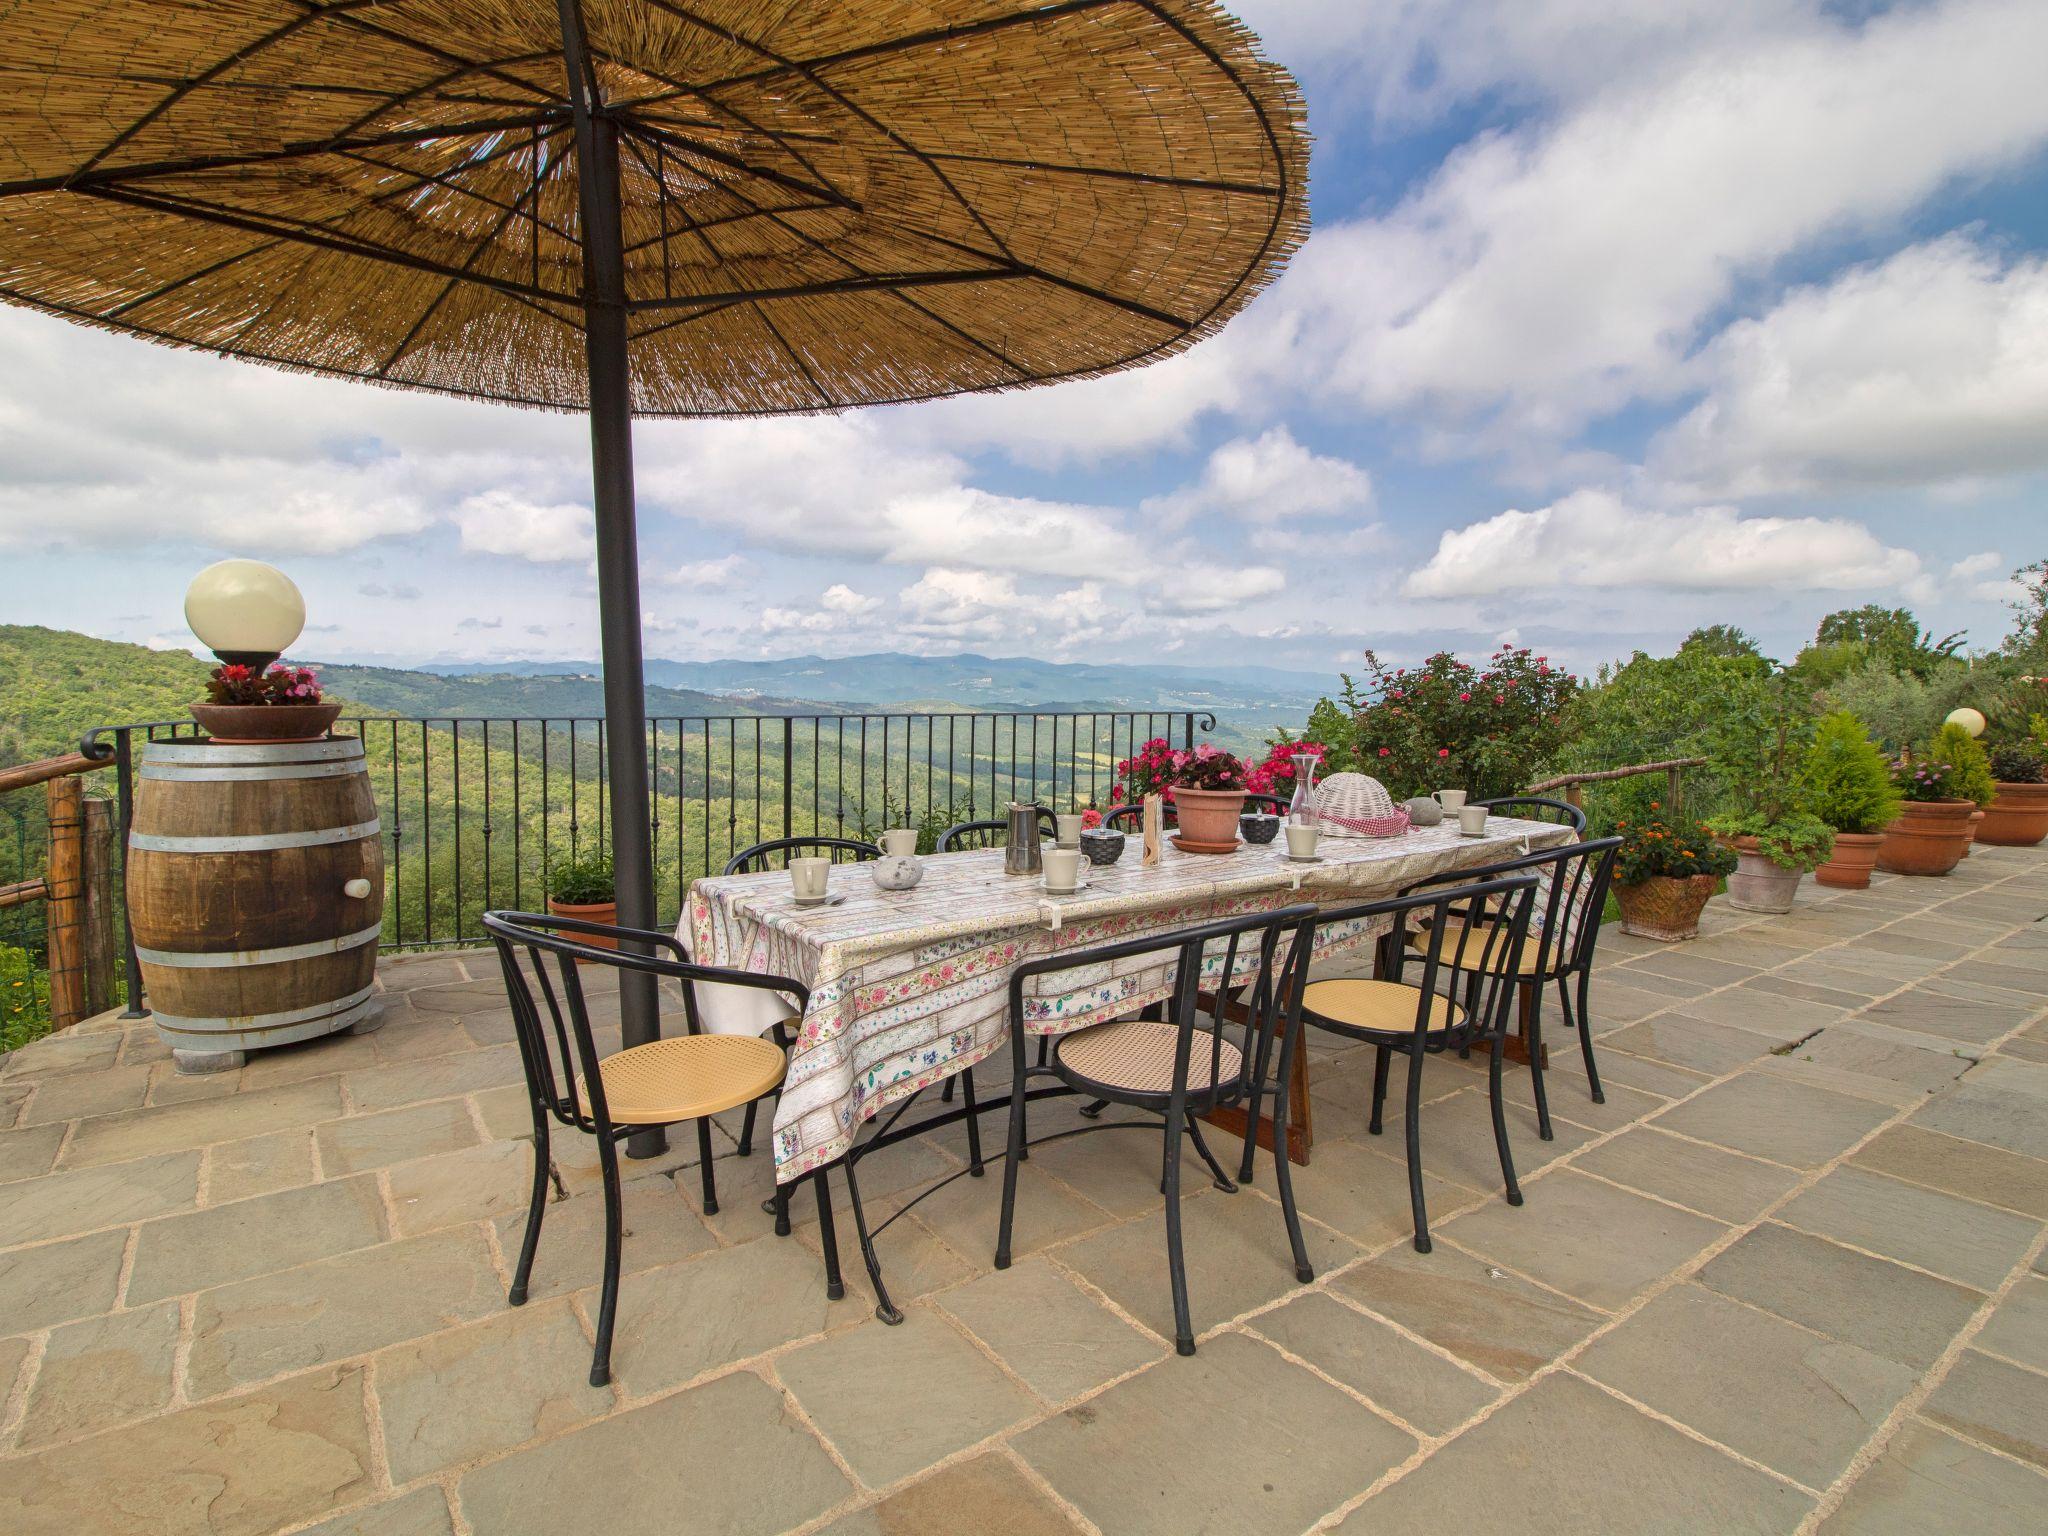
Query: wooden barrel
x,y
255,891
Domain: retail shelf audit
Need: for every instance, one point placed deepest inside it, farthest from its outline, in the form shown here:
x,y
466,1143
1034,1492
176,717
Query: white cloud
x,y
1930,366
1592,539
1555,272
1267,479
840,598
1196,589
704,573
500,522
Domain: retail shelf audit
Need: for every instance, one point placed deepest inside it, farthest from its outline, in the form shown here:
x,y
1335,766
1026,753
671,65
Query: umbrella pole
x,y
618,554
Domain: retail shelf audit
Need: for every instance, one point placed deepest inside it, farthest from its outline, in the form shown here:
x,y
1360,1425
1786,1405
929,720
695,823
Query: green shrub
x,y
1847,781
1969,776
2018,763
24,998
583,882
1903,709
1795,840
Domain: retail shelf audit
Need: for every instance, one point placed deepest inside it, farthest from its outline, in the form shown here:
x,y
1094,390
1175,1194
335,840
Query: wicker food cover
x,y
1357,805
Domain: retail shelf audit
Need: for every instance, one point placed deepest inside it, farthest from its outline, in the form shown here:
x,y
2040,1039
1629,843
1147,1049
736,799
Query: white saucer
x,y
1289,858
829,899
1079,886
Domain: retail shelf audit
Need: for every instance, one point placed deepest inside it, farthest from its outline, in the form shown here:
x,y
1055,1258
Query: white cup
x,y
807,878
1472,820
900,842
1452,800
1062,868
1301,840
1067,831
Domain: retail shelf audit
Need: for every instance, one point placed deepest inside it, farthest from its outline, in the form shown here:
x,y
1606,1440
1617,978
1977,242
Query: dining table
x,y
910,987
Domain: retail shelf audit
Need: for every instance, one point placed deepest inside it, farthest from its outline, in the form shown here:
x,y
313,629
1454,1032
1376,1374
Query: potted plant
x,y
250,704
1663,876
1849,786
1933,823
1758,745
1969,770
2018,814
1206,786
584,888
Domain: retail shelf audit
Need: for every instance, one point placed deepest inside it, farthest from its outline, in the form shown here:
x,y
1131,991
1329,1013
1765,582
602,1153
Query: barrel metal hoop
x,y
299,751
255,842
212,960
266,1020
181,773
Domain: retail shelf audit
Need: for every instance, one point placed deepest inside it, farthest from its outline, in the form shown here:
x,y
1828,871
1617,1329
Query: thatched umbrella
x,y
652,207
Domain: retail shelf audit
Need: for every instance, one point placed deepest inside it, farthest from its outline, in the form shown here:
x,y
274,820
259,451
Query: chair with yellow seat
x,y
1470,937
1564,929
687,1077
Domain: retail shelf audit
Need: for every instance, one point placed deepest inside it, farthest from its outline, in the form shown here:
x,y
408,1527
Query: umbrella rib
x,y
496,70
241,55
796,357
1191,183
475,255
835,285
931,166
911,40
751,212
150,170
205,213
782,179
446,179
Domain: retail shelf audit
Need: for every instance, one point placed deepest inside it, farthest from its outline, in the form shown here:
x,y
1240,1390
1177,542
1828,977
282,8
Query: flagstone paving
x,y
1791,1276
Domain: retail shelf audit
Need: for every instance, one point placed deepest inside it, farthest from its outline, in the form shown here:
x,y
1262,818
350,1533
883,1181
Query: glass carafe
x,y
1302,809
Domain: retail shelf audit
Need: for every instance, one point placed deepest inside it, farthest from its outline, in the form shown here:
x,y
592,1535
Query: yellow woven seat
x,y
1478,952
1386,1006
1136,1056
688,1077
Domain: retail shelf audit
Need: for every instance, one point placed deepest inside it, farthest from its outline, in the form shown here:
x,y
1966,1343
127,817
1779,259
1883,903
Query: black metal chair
x,y
1572,883
994,833
1538,808
1475,932
761,856
1255,801
683,1077
1180,1065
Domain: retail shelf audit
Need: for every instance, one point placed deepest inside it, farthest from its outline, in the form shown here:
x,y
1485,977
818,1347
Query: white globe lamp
x,y
1971,720
245,612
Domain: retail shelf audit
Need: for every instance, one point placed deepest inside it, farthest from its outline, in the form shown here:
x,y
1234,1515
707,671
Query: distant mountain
x,y
498,695
901,681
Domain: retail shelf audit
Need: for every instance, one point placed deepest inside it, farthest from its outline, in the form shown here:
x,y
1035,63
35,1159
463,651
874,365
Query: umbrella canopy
x,y
648,207
820,205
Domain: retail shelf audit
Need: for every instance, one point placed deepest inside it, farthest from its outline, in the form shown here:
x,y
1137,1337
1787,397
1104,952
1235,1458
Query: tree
x,y
1721,640
2029,638
1892,635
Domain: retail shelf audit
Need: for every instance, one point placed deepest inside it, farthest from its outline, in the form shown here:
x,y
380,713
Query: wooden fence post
x,y
100,946
65,912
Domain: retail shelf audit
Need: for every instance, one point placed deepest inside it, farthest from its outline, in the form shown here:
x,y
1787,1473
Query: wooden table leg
x,y
1300,1131
1516,1047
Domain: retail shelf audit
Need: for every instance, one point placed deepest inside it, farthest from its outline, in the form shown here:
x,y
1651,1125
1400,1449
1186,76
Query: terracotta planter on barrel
x,y
1208,819
1854,857
1664,907
245,724
1759,883
2017,818
1927,839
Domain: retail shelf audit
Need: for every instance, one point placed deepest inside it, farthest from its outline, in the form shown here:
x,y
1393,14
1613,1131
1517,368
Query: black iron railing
x,y
476,812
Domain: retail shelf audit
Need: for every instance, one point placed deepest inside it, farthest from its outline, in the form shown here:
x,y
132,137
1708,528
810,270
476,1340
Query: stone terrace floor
x,y
1790,1277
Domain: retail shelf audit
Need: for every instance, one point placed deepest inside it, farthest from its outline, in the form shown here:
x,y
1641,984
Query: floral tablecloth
x,y
910,987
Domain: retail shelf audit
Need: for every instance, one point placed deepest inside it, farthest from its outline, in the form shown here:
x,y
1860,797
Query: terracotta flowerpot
x,y
2017,817
1855,856
244,723
1927,839
1208,819
1664,907
1759,883
590,912
1970,837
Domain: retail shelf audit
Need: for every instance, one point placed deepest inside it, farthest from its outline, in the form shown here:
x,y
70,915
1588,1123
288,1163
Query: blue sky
x,y
1615,320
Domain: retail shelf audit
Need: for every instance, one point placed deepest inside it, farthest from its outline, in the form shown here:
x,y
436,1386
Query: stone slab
x,y
1684,1041
244,1466
1995,1404
1966,1168
87,1199
1711,1180
1505,1326
984,1493
660,1227
480,1183
1567,1457
101,1372
1769,1117
1799,1402
1236,1439
378,1140
1415,1384
1589,1239
423,1512
1872,1303
1060,1341
55,1282
177,1127
1931,1231
179,1254
260,1165
1990,1112
2018,1329
1930,1481
894,1400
